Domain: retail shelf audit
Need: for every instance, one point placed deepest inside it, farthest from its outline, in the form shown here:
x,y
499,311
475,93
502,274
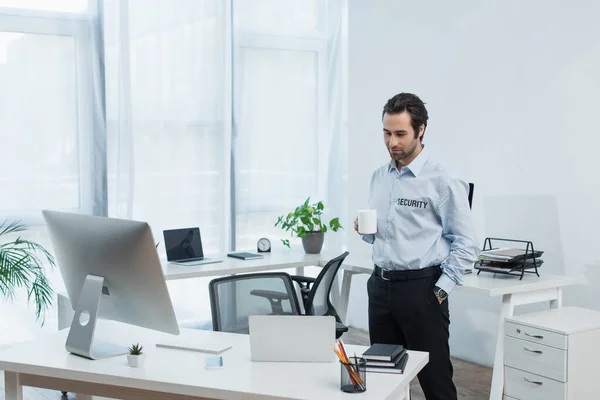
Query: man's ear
x,y
421,131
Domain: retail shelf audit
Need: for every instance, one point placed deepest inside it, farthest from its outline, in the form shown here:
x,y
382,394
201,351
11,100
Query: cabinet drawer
x,y
527,386
539,359
536,335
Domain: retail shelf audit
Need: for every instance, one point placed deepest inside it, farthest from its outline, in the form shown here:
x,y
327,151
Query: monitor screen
x,y
183,244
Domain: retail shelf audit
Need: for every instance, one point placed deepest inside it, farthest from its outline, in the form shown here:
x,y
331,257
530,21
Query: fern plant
x,y
306,219
22,267
136,349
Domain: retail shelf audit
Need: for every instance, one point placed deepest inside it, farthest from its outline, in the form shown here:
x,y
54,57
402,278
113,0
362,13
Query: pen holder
x,y
353,375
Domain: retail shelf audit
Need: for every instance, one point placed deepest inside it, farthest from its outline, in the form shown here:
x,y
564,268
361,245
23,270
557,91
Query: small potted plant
x,y
135,358
305,222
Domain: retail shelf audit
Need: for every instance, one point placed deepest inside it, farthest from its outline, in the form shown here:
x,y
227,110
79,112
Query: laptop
x,y
292,338
184,247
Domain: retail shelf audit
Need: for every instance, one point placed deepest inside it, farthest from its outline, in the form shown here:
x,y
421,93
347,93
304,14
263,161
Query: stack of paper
x,y
509,258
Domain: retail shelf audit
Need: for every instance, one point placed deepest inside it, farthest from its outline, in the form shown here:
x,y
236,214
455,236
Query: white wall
x,y
513,92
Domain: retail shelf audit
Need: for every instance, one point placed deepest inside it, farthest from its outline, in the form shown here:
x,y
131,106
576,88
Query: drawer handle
x,y
533,351
534,382
534,336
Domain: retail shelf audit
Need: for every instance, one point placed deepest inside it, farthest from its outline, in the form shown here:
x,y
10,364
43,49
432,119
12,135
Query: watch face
x,y
264,245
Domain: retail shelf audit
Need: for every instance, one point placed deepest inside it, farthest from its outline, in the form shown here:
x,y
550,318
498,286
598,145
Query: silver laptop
x,y
184,247
292,338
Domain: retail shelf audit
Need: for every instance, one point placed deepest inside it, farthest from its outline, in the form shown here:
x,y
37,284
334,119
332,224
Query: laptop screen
x,y
183,244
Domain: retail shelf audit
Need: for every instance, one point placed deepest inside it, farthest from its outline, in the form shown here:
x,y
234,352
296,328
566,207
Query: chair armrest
x,y
340,329
303,279
270,294
275,298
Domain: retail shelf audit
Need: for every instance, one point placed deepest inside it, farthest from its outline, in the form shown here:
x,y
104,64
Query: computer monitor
x,y
111,270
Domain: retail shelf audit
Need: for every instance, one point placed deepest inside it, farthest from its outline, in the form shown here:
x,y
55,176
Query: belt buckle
x,y
383,270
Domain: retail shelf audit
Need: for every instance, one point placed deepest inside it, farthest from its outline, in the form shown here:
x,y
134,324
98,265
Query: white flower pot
x,y
136,360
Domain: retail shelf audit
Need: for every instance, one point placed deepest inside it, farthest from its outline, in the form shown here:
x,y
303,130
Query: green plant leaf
x,y
306,218
21,267
135,349
285,242
334,224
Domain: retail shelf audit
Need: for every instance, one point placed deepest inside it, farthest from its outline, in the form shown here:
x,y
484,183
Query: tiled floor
x,y
472,381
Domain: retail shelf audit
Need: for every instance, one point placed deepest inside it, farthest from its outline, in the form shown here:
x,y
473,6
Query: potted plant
x,y
136,357
305,222
22,267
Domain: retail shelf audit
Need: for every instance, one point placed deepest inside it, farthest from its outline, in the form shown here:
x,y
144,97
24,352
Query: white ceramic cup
x,y
367,222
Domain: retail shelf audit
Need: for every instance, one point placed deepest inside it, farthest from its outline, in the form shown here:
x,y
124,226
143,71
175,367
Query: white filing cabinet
x,y
552,355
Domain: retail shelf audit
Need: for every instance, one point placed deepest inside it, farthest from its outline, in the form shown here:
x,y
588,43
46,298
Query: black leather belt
x,y
406,274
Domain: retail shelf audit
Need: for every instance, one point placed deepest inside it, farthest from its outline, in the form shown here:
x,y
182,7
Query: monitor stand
x,y
81,335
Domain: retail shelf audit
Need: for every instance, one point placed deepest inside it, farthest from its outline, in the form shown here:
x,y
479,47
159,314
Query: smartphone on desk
x,y
212,362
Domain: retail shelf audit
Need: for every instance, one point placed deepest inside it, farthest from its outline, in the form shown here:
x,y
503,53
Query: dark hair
x,y
413,105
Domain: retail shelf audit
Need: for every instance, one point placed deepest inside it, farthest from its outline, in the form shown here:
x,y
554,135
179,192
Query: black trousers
x,y
406,311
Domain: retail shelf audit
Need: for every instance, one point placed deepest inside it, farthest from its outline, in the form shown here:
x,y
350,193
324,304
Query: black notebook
x,y
392,363
383,352
245,256
396,369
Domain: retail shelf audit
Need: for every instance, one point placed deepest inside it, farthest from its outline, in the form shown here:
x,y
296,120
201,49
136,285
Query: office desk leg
x,y
407,393
345,294
13,390
497,389
557,303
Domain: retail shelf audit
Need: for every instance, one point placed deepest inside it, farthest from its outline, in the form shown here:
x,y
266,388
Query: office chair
x,y
471,190
315,292
234,298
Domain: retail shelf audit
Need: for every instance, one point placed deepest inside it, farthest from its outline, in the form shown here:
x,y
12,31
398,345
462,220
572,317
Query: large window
x,y
46,113
283,55
221,114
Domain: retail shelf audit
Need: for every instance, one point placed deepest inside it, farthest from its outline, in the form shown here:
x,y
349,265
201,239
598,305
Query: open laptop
x,y
292,338
184,247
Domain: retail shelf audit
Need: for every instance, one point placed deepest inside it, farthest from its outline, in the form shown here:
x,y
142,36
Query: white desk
x,y
531,289
180,375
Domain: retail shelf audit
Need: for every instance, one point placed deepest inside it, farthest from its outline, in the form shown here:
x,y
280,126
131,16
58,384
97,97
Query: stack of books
x,y
386,358
509,258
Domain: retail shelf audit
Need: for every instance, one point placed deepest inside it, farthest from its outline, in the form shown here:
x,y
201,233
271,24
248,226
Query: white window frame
x,y
92,167
317,45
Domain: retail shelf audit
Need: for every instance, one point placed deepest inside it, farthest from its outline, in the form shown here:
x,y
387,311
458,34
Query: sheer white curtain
x,y
50,128
167,118
139,109
288,110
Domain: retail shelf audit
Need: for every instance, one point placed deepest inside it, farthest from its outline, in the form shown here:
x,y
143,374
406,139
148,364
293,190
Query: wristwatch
x,y
440,293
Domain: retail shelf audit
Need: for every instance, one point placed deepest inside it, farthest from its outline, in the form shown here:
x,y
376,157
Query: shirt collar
x,y
416,165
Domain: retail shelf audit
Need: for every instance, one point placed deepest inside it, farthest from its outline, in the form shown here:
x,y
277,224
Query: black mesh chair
x,y
234,298
315,292
471,190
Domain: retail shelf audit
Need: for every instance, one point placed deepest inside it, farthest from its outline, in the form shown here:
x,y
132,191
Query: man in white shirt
x,y
424,242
